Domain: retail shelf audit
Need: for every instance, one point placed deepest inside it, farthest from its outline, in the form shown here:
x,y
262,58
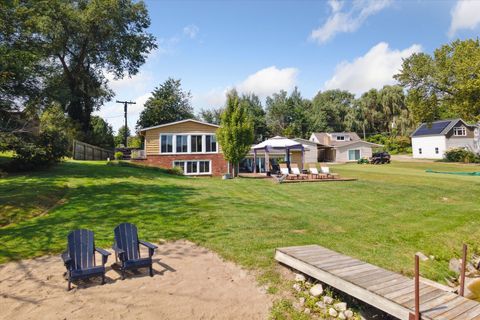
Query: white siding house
x,y
430,141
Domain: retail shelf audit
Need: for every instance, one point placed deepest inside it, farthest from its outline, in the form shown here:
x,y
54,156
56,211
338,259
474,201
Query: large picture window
x,y
196,143
182,144
353,154
211,143
195,167
166,143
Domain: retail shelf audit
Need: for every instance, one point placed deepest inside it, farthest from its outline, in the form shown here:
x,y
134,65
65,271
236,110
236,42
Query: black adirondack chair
x,y
79,259
127,249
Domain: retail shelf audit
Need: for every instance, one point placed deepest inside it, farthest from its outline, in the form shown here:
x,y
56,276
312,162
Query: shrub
x,y
42,151
175,171
118,155
394,145
461,155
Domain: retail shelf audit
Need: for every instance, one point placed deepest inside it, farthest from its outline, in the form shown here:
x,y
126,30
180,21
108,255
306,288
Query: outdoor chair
x,y
296,171
314,173
284,171
79,259
127,249
326,170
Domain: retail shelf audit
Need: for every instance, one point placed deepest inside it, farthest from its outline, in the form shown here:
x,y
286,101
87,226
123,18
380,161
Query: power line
x,y
125,104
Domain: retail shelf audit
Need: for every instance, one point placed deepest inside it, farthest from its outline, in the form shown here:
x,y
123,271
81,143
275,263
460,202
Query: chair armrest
x,y
66,259
147,244
104,254
118,251
151,247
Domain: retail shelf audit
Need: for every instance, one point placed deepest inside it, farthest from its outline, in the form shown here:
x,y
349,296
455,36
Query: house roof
x,y
178,122
437,128
308,142
348,143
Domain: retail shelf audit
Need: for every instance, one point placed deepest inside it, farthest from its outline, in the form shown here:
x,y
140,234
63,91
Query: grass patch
x,y
386,216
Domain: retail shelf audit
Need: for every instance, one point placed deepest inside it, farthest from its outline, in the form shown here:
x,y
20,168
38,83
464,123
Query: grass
x,y
386,216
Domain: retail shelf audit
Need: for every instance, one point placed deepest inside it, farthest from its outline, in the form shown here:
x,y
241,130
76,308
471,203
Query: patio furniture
x,y
284,171
314,173
296,171
127,249
79,259
326,170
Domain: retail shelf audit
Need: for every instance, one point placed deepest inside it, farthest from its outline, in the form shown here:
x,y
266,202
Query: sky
x,y
263,46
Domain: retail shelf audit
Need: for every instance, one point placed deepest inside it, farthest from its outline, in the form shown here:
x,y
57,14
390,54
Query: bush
x,y
42,151
393,145
118,155
363,161
461,155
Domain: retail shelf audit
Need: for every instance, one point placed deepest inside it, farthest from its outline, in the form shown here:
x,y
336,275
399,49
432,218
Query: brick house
x,y
188,144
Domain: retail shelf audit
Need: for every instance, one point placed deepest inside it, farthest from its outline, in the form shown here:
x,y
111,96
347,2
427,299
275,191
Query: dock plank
x,y
383,289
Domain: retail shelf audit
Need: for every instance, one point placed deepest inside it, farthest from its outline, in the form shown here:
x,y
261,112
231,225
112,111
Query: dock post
x,y
462,271
416,315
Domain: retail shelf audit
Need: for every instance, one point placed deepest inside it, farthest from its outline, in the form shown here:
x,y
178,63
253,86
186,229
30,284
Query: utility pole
x,y
125,104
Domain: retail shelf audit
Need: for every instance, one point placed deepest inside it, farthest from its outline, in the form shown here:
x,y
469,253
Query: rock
x,y
301,301
297,287
332,312
316,290
307,311
455,265
342,315
299,277
421,256
471,270
472,288
341,306
321,305
348,314
327,300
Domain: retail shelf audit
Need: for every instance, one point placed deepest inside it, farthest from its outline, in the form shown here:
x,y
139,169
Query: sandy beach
x,y
190,282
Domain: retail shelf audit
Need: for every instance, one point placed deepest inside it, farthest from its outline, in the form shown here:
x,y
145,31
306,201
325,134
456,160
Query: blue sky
x,y
264,46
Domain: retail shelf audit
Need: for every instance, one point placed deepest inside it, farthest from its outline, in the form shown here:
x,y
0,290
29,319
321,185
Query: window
x,y
166,143
459,131
194,167
182,143
196,143
340,138
211,143
419,150
436,150
353,154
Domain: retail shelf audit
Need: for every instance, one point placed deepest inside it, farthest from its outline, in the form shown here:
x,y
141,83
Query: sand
x,y
190,282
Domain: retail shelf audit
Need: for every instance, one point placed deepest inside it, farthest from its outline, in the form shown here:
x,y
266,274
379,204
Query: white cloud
x,y
465,15
136,83
347,20
191,31
263,83
373,70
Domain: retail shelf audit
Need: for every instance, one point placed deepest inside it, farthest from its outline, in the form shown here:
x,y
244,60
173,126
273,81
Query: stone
x,y
348,314
341,306
327,300
307,311
301,301
299,277
455,265
332,312
342,315
471,270
297,287
421,256
472,288
316,290
321,305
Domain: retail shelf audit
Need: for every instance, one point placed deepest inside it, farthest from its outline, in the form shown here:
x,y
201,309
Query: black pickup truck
x,y
380,158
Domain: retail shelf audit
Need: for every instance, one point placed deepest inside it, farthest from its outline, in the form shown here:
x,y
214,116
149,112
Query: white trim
x,y
189,143
461,128
360,153
178,122
198,173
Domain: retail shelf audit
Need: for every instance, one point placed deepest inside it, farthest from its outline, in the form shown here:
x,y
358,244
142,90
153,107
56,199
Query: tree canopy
x,y
236,133
168,103
445,84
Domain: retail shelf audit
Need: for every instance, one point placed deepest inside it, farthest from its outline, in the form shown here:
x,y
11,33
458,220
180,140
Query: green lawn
x,y
391,212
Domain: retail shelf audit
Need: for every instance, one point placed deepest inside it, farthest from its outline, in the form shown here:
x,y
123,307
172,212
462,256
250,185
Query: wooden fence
x,y
85,151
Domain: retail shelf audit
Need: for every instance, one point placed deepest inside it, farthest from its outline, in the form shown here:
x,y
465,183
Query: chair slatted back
x,y
314,170
325,170
126,238
295,170
81,246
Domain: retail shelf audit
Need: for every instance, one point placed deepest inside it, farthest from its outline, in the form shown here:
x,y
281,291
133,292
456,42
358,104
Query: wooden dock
x,y
383,289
